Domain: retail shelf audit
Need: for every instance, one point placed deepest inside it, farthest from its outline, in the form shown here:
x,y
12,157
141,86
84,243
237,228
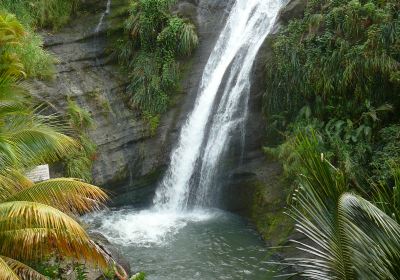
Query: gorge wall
x,y
130,158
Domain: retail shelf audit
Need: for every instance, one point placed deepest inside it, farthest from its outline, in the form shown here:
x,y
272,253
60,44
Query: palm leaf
x,y
34,140
22,270
349,237
30,230
11,182
6,272
66,194
12,97
374,236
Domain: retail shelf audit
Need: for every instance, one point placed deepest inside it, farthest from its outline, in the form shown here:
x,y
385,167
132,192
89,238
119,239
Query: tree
x,y
348,236
36,219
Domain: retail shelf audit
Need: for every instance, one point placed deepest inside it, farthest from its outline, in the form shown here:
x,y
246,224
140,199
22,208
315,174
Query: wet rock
x,y
119,258
130,159
187,9
293,9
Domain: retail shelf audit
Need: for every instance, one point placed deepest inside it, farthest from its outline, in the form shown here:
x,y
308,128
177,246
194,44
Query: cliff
x,y
130,158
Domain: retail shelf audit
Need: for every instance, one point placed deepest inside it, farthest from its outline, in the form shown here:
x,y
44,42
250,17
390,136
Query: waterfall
x,y
205,136
106,12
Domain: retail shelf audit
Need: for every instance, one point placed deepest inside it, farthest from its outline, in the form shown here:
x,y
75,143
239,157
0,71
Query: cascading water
x,y
169,241
103,15
249,23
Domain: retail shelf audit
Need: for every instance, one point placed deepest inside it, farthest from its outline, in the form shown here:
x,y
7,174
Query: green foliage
x,y
331,101
152,121
139,276
81,272
154,42
51,271
57,268
336,71
79,118
101,102
41,13
37,62
348,237
33,222
21,51
342,53
11,33
79,163
387,197
30,227
24,49
387,153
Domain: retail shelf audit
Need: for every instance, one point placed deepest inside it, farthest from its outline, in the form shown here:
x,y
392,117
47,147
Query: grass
x,y
41,13
37,62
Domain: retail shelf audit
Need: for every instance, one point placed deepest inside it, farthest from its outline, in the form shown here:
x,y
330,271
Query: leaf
x,y
22,270
30,230
68,195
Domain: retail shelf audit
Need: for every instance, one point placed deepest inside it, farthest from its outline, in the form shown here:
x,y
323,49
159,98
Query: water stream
x,y
183,237
103,15
247,26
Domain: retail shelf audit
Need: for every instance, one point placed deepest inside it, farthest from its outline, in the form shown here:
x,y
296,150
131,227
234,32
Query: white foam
x,y
145,228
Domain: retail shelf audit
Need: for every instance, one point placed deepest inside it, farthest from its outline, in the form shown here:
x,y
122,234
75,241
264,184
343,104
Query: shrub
x,y
79,164
154,41
41,13
21,51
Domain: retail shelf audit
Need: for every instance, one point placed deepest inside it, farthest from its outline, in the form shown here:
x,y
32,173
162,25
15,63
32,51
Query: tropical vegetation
x,y
340,64
333,123
37,218
21,50
41,13
349,237
79,163
154,42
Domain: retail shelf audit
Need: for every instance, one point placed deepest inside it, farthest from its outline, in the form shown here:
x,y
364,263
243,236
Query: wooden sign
x,y
39,173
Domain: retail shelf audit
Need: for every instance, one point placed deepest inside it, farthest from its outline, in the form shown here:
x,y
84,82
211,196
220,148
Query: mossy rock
x,y
268,212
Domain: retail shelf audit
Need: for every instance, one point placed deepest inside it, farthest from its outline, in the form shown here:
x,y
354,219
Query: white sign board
x,y
39,173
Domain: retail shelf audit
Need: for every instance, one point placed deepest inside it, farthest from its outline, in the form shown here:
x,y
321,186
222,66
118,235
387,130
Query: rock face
x,y
130,159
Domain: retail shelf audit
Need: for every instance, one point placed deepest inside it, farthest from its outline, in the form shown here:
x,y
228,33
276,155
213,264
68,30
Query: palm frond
x,y
13,98
6,272
374,238
34,140
29,230
66,194
11,182
345,231
22,270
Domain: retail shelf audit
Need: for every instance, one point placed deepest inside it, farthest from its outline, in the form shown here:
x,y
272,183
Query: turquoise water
x,y
210,244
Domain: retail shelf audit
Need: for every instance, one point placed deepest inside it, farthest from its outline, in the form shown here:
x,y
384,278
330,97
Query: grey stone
x,y
130,160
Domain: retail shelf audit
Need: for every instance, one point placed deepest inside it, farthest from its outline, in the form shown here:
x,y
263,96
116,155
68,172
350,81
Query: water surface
x,y
206,244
